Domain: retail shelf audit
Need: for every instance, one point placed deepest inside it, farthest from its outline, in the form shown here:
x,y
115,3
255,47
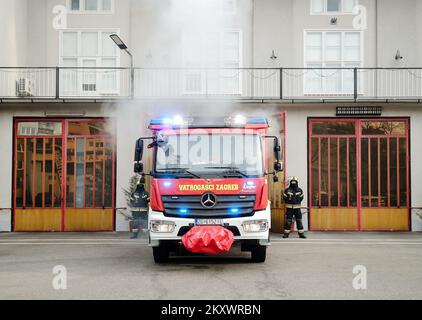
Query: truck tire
x,y
258,253
161,254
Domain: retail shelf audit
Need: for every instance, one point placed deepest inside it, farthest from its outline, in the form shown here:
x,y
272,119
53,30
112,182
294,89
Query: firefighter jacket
x,y
293,197
139,200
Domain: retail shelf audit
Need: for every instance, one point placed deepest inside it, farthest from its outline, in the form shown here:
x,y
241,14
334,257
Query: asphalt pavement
x,y
111,266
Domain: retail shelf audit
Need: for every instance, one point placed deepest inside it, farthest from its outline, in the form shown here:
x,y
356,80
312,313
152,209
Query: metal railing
x,y
294,84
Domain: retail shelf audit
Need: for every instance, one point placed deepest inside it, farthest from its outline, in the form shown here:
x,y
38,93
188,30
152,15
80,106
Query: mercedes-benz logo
x,y
208,200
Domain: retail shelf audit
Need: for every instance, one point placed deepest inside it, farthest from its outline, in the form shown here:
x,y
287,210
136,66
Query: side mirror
x,y
278,166
139,150
138,167
277,149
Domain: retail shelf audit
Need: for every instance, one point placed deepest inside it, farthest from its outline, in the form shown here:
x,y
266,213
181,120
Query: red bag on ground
x,y
208,239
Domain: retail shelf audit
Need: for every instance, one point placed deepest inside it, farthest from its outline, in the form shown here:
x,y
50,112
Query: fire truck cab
x,y
209,172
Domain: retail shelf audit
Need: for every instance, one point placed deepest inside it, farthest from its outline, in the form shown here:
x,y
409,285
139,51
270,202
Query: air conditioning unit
x,y
24,87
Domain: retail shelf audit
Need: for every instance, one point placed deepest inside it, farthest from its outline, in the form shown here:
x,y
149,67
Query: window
x,y
333,6
89,49
39,128
219,49
331,49
207,153
90,6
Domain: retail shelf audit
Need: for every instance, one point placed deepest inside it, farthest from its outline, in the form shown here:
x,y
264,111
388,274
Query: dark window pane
x,y
314,172
30,154
403,172
343,172
48,173
99,148
108,175
70,179
332,127
89,167
324,172
39,168
80,165
20,156
365,171
383,172
333,5
58,172
374,171
89,172
352,173
91,128
383,127
393,172
75,5
333,173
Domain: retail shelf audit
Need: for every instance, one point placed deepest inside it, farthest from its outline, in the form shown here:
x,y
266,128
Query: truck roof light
x,y
240,121
175,121
257,121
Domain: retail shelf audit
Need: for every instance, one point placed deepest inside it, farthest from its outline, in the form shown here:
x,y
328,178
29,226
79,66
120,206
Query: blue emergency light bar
x,y
236,121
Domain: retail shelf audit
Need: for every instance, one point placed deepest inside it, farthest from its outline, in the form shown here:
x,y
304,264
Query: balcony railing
x,y
290,84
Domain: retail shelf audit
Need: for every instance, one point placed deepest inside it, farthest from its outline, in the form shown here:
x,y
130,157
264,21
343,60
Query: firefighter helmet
x,y
293,179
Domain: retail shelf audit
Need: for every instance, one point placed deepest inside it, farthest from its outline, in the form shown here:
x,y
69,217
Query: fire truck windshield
x,y
205,154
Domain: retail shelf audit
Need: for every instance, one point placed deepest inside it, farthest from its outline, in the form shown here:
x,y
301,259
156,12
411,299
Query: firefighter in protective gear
x,y
293,197
139,203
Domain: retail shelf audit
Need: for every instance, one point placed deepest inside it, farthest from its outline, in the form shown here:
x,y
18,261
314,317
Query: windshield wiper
x,y
181,170
231,170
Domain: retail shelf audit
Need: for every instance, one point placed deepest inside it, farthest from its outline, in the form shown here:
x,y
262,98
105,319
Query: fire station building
x,y
339,80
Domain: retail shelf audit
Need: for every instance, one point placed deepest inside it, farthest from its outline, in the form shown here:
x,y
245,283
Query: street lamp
x,y
122,46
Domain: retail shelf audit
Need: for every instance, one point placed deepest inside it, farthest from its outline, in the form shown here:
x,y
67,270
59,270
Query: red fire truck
x,y
209,172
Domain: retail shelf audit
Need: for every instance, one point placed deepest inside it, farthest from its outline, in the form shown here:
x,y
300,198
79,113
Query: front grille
x,y
183,230
222,209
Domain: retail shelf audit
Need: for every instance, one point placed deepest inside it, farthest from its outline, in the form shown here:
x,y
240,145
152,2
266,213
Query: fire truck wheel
x,y
160,253
258,253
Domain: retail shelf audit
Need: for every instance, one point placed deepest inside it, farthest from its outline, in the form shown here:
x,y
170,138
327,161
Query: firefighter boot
x,y
302,234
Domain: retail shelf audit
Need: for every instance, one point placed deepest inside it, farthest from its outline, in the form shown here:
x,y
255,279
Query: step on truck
x,y
209,172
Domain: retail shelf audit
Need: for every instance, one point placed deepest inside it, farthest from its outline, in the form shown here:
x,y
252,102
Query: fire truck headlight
x,y
167,184
255,226
162,226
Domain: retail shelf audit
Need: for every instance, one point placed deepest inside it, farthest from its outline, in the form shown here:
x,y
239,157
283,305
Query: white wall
x,y
6,125
13,32
398,22
153,32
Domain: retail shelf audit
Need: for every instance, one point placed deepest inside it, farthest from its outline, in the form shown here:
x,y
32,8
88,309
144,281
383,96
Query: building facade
x,y
71,107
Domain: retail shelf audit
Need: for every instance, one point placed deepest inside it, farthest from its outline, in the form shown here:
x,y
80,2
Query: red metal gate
x,y
48,179
359,174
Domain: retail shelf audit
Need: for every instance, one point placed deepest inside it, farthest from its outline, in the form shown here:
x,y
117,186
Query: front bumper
x,y
262,237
